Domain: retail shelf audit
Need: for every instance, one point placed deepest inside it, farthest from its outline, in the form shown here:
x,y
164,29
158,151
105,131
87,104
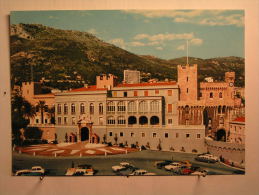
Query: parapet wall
x,y
231,152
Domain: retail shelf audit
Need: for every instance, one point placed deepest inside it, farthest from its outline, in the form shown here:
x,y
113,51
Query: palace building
x,y
170,116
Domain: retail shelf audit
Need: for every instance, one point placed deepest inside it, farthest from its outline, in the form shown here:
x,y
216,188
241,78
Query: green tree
x,y
41,106
22,111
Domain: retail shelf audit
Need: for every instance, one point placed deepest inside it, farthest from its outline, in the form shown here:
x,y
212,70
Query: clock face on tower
x,y
231,84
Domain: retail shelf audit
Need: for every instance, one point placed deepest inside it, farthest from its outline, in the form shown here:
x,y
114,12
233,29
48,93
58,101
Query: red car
x,y
186,171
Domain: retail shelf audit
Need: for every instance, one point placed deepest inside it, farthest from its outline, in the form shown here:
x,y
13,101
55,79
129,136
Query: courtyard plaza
x,y
44,156
73,149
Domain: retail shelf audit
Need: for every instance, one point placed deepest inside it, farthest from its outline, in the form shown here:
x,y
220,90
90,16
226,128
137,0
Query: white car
x,y
37,169
122,166
141,172
22,172
212,157
173,166
200,173
118,168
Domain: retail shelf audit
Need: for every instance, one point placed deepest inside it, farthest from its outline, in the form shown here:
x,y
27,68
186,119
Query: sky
x,y
161,33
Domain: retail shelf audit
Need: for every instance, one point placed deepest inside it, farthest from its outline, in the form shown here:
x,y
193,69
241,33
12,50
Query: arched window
x,y
154,120
143,107
154,106
211,95
132,120
219,109
186,109
82,108
73,108
143,120
121,120
91,108
224,109
121,107
132,107
110,120
65,109
110,107
59,109
220,95
100,108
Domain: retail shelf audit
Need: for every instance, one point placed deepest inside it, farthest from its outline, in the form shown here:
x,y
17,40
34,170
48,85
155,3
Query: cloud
x,y
118,42
196,41
159,48
234,19
163,37
92,31
200,17
137,44
180,20
181,47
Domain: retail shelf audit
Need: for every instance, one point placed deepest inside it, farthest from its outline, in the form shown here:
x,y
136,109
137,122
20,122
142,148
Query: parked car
x,y
185,171
38,169
34,171
141,172
22,172
89,168
78,172
206,158
186,163
122,166
173,166
200,173
161,164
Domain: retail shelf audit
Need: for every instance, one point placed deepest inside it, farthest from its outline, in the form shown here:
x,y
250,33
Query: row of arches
x,y
142,120
133,106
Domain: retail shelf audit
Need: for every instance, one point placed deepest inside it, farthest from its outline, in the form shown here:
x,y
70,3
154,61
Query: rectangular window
x,y
101,120
187,90
110,133
177,135
166,135
169,92
73,120
115,94
145,93
121,134
198,136
187,135
37,121
170,121
156,91
154,134
59,120
65,120
131,134
135,93
125,93
169,108
143,134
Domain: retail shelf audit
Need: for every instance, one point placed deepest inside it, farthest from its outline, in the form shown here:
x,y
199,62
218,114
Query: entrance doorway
x,y
221,135
84,134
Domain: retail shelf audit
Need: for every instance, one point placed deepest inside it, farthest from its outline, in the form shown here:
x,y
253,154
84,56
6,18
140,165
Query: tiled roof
x,y
89,88
146,84
240,119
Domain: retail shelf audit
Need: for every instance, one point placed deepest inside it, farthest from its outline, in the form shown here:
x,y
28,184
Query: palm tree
x,y
52,114
41,106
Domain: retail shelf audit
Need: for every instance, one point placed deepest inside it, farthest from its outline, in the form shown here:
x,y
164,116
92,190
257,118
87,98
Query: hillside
x,y
73,56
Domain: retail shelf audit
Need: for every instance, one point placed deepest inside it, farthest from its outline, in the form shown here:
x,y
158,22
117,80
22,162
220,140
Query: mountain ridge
x,y
61,54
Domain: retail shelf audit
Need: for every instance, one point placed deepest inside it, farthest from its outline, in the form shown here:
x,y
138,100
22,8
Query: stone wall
x,y
231,152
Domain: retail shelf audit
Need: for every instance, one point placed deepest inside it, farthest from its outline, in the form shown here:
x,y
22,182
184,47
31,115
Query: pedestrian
x,y
172,157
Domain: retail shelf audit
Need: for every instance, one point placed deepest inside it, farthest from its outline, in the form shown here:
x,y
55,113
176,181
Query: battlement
x,y
106,81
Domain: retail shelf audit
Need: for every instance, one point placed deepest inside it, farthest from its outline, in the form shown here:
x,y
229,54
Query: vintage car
x,y
141,172
161,164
